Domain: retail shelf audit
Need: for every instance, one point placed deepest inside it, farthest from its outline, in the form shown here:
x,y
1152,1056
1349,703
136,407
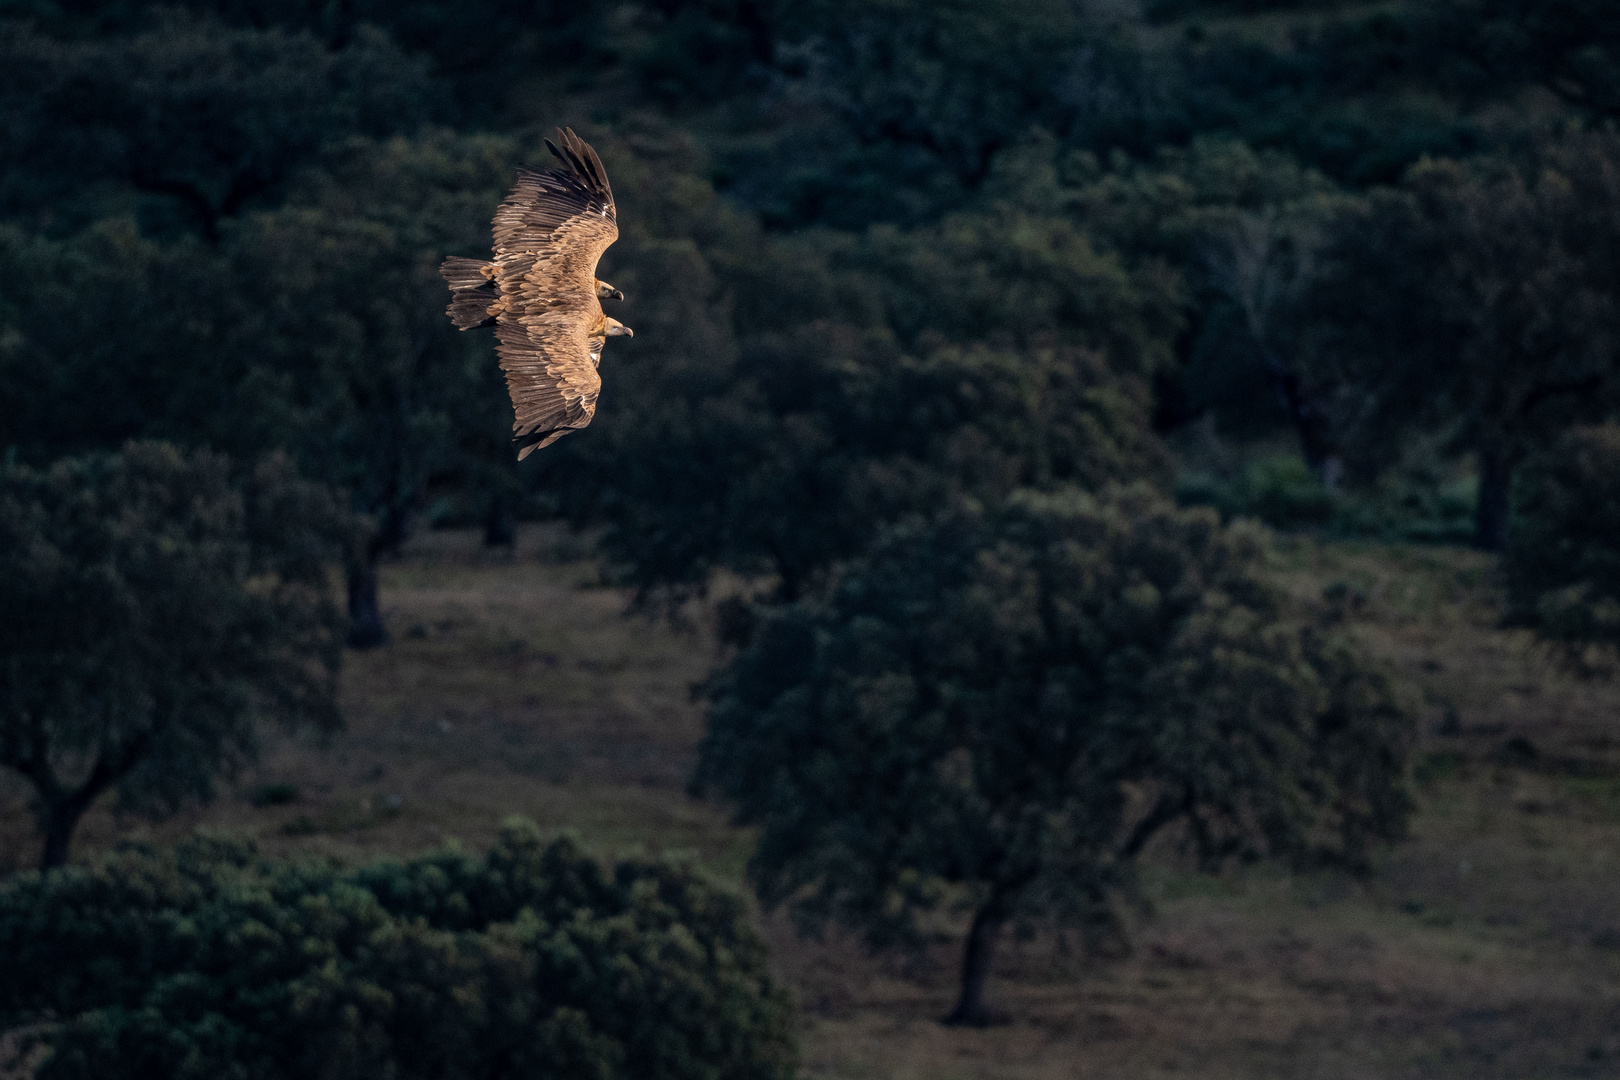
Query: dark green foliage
x,y
314,325
280,794
208,960
127,365
1562,563
476,59
317,327
188,121
1012,238
896,111
1570,47
1479,301
169,610
685,52
955,80
1280,491
790,396
338,316
785,486
1410,502
1003,709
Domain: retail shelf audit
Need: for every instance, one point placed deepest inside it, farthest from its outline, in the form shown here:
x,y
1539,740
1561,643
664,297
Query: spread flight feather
x,y
541,293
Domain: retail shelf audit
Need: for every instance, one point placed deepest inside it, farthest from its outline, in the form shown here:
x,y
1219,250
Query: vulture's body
x,y
541,293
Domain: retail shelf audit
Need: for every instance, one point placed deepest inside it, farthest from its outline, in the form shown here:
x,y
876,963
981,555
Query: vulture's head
x,y
615,328
604,291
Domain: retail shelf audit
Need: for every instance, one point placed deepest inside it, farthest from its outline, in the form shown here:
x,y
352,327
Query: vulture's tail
x,y
472,291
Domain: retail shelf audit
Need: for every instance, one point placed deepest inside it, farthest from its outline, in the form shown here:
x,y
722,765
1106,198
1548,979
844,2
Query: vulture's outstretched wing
x,y
550,363
540,291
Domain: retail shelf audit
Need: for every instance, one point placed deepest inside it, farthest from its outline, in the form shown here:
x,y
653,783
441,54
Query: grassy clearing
x,y
1486,946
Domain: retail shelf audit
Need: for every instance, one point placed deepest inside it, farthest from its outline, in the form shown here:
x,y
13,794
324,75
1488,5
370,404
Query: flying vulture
x,y
541,293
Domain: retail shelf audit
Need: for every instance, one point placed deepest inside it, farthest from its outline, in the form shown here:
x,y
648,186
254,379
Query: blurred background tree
x,y
187,121
337,315
853,383
162,610
1153,186
1480,301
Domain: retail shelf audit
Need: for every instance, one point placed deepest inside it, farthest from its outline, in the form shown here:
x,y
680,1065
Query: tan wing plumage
x,y
540,292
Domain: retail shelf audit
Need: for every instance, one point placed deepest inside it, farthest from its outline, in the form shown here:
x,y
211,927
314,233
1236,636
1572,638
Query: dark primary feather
x,y
467,273
472,291
471,308
585,165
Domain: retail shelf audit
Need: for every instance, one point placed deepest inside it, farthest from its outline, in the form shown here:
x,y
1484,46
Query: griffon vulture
x,y
542,295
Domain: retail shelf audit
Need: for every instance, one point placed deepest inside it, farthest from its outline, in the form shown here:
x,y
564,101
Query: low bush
x,y
1562,561
210,960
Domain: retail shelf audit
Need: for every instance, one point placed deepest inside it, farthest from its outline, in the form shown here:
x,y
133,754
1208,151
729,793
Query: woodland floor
x,y
1488,945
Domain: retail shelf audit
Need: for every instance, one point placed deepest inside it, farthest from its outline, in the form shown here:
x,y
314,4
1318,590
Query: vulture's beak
x,y
615,295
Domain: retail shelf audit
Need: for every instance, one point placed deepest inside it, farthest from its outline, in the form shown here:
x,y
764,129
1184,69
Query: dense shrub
x,y
210,960
1562,563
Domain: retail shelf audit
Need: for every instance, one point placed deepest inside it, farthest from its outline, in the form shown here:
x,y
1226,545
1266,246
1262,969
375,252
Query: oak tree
x,y
1477,302
1000,712
159,611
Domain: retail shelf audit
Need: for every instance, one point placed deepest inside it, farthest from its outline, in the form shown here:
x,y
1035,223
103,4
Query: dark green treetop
x,y
187,115
1568,47
158,612
135,362
211,960
1002,710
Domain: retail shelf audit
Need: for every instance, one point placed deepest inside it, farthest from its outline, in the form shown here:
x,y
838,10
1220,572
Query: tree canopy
x,y
1002,709
170,609
209,959
188,121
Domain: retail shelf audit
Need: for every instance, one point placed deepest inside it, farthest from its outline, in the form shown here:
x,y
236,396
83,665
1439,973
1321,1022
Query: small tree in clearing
x,y
1007,709
156,612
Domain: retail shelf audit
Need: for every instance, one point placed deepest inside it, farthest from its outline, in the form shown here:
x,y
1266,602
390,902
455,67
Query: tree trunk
x,y
1306,418
500,523
1491,518
366,630
978,955
59,828
62,817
